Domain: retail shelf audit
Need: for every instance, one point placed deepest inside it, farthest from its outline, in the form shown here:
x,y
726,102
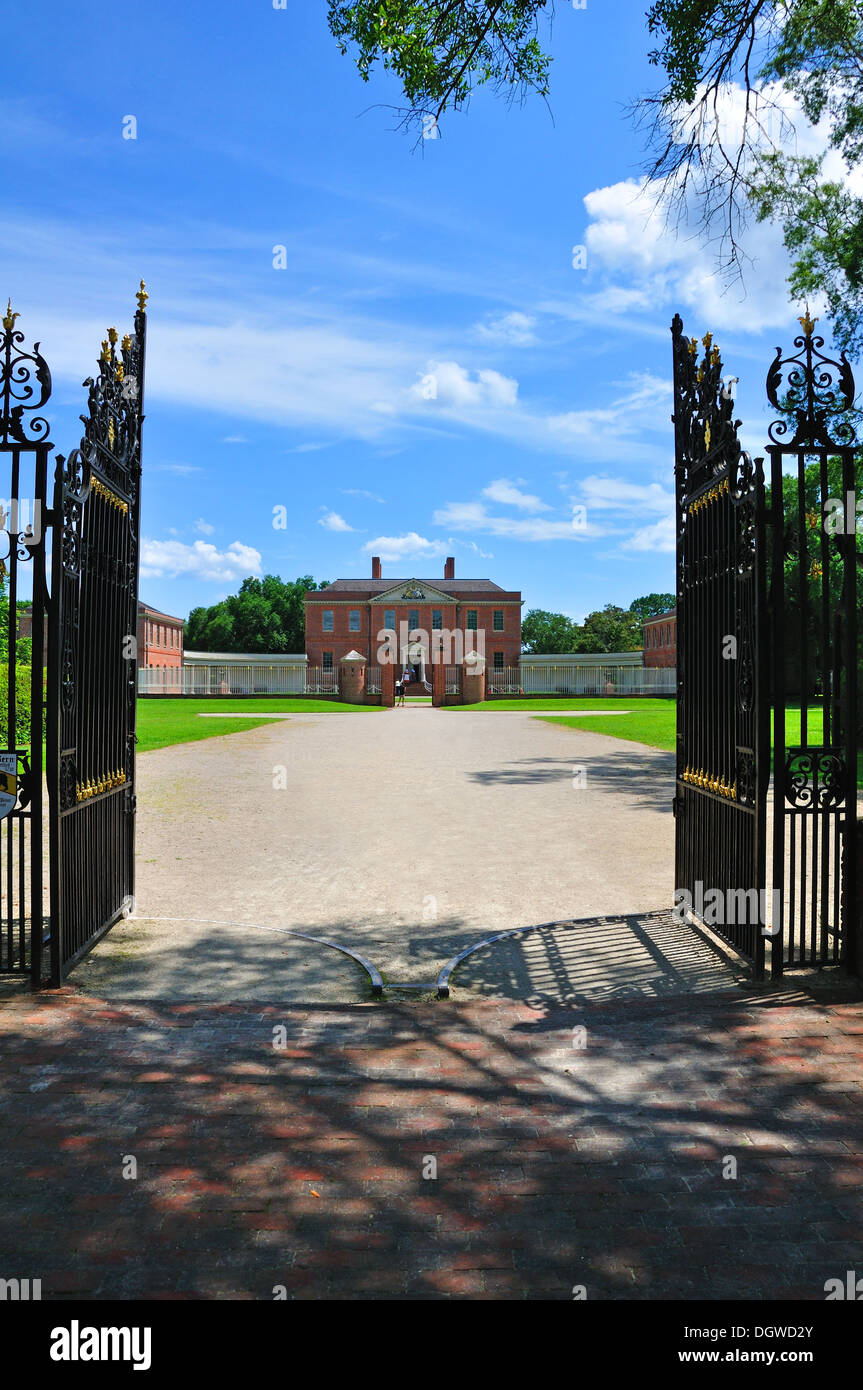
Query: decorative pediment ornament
x,y
413,590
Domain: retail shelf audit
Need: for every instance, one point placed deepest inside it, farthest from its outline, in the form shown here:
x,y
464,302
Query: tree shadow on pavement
x,y
636,775
291,1149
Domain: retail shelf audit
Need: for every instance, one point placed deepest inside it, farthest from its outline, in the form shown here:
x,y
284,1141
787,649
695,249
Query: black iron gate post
x,y
722,765
93,657
813,598
25,386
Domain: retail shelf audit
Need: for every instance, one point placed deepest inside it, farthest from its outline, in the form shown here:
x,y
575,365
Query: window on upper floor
x,y
328,620
498,620
413,619
390,619
437,619
354,621
471,620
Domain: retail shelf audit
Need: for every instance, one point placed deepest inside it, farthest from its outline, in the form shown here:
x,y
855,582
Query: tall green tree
x,y
543,633
266,615
610,629
728,160
652,605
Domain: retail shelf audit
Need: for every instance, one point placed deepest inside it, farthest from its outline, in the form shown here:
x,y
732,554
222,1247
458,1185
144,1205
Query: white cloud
x,y
166,559
475,550
410,545
507,493
181,469
448,385
638,259
619,494
659,536
204,527
473,516
361,492
331,521
515,329
234,439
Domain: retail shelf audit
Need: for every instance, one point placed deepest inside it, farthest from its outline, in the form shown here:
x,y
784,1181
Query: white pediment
x,y
413,591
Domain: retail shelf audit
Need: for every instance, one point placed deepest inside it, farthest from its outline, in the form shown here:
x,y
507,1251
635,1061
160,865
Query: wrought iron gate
x,y
82,690
732,531
93,657
720,802
813,593
25,387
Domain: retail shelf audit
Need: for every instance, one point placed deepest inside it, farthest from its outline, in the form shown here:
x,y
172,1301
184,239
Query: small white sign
x,y
8,783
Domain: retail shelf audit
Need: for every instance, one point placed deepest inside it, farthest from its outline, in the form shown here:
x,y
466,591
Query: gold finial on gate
x,y
142,296
127,342
693,346
707,436
9,318
715,357
106,355
119,372
707,340
807,323
113,335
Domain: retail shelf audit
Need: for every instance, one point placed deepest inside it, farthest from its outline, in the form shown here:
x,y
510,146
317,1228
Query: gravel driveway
x,y
405,834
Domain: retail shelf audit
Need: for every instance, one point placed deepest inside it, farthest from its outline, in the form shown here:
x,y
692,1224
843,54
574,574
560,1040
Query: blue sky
x,y
429,374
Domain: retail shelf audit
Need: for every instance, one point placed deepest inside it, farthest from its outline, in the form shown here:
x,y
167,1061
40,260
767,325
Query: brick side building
x,y
432,621
660,639
160,639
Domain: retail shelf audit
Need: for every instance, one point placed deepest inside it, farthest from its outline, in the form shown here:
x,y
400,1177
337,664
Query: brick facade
x,y
660,639
160,639
352,613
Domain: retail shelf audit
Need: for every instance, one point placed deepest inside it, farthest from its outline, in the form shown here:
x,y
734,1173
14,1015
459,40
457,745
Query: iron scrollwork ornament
x,y
811,387
25,385
815,778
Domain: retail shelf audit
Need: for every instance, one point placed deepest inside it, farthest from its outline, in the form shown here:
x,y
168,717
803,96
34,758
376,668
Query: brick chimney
x,y
376,567
449,568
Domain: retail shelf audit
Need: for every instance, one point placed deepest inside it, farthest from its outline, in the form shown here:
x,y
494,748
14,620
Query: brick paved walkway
x,y
557,1165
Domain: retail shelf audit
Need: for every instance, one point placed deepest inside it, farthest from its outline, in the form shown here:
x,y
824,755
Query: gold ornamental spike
x,y
127,342
715,357
113,335
119,372
9,318
142,296
106,355
707,340
707,436
806,323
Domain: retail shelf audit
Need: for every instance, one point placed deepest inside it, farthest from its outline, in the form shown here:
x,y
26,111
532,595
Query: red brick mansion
x,y
413,624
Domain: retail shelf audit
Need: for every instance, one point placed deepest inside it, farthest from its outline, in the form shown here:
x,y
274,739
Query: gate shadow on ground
x,y
647,778
595,961
556,1167
176,960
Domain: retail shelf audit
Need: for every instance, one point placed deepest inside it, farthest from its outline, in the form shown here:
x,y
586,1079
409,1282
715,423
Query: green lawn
x,y
654,722
164,722
562,702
